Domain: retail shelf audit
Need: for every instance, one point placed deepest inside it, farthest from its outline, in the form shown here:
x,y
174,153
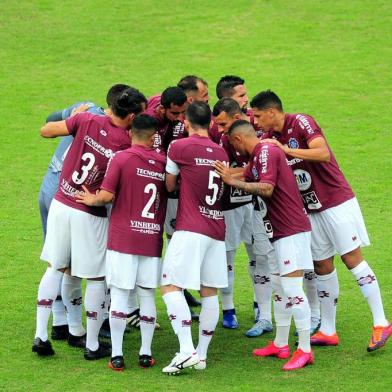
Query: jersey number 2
x,y
150,188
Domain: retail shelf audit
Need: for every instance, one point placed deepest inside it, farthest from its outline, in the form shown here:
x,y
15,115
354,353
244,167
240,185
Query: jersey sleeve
x,y
308,128
73,123
267,164
112,175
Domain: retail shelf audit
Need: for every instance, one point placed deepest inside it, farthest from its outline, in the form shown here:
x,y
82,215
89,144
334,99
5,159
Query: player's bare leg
x,y
370,289
209,317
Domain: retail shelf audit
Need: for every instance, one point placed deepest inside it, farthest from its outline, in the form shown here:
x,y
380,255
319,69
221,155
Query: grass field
x,y
331,59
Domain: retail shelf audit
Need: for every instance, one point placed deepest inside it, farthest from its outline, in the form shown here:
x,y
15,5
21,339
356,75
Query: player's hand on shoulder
x,y
223,169
80,109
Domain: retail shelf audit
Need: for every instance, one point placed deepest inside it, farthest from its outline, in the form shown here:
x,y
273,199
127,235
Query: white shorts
x,y
292,253
171,215
192,260
125,271
261,243
339,229
75,239
238,226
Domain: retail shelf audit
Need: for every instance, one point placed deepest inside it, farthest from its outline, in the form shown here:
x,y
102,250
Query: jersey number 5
x,y
210,200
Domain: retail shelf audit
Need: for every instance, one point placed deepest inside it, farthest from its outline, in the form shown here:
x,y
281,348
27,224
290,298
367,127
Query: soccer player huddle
x,y
122,176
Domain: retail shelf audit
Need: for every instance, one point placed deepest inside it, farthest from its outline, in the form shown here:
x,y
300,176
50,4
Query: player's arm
x,y
317,152
172,171
54,129
100,198
255,188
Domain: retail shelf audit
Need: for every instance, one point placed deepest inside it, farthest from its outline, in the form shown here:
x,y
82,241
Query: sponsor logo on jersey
x,y
290,130
292,162
311,200
293,143
108,153
150,174
211,214
208,149
263,158
103,132
145,227
204,162
368,279
304,180
304,124
151,161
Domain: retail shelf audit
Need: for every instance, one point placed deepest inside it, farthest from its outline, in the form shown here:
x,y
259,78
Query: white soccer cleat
x,y
181,362
201,365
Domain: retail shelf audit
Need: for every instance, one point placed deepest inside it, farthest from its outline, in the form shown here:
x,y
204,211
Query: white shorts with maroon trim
x,y
261,243
126,271
171,214
192,260
75,239
339,229
292,253
238,226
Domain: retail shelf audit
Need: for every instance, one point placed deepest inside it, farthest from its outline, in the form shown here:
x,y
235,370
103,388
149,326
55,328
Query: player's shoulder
x,y
302,121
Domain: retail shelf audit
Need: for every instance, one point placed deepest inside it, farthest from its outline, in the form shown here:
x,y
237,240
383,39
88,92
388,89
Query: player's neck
x,y
198,131
251,144
279,125
141,143
119,122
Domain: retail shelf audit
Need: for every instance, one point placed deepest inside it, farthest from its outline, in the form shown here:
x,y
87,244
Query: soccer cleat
x,y
104,332
77,341
194,316
42,348
272,351
133,319
260,327
146,361
181,362
320,339
201,365
230,319
117,363
299,360
379,337
191,300
315,323
104,350
59,332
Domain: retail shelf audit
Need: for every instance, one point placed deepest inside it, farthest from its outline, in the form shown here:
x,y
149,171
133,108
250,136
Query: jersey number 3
x,y
80,178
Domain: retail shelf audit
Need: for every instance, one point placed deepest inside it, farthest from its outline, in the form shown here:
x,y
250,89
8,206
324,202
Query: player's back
x,y
201,188
96,139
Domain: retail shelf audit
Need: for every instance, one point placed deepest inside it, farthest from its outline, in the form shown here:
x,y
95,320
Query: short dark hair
x,y
199,115
114,91
129,101
241,124
144,126
226,84
189,83
227,105
265,100
173,95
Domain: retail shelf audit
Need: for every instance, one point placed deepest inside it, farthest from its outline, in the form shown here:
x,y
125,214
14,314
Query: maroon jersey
x,y
233,197
96,139
322,184
137,178
167,131
213,133
201,188
284,214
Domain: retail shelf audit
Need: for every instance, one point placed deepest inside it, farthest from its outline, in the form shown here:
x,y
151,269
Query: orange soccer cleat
x,y
320,339
379,337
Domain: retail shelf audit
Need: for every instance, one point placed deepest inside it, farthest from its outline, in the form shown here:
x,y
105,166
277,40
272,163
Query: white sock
x,y
368,284
58,311
118,318
148,314
133,303
227,292
108,299
208,319
71,291
310,286
298,301
47,293
181,321
328,293
94,304
262,287
281,312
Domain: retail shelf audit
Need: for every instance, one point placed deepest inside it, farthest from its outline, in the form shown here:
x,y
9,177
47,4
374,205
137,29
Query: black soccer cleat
x,y
146,361
43,349
77,341
104,350
117,363
191,300
59,332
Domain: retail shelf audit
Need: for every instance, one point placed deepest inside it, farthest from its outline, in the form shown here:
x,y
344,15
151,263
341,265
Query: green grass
x,y
331,59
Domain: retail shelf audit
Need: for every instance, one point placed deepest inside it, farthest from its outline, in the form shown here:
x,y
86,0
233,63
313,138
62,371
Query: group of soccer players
x,y
122,176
